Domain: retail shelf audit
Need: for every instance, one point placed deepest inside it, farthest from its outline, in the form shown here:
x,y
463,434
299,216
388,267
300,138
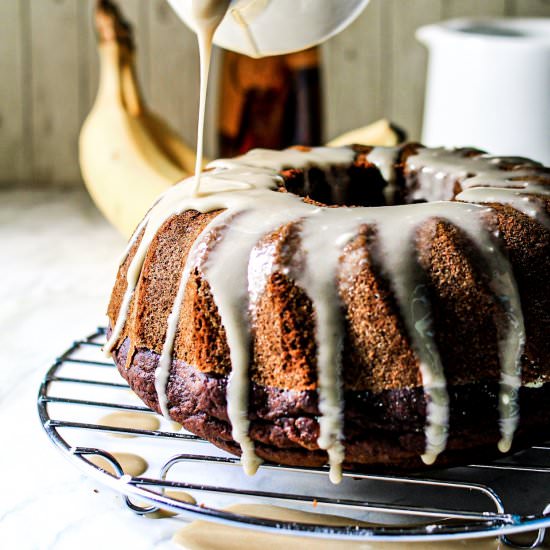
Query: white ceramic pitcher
x,y
271,27
489,85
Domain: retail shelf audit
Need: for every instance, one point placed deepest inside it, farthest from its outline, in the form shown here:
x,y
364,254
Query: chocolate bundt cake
x,y
362,307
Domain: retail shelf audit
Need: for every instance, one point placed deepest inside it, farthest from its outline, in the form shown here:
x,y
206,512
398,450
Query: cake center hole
x,y
340,186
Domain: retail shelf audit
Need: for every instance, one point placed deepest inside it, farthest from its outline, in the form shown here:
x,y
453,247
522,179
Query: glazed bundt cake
x,y
362,307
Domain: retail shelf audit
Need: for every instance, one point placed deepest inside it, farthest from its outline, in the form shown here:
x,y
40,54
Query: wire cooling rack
x,y
508,496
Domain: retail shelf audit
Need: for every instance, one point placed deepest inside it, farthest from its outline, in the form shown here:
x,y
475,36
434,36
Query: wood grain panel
x,y
89,76
14,150
462,8
54,86
352,74
137,13
49,64
531,8
405,81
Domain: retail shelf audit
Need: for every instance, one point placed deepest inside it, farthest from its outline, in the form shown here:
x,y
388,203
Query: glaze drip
x,y
438,169
385,158
519,199
246,189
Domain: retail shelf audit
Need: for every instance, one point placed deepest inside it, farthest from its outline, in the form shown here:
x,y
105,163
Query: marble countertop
x,y
58,263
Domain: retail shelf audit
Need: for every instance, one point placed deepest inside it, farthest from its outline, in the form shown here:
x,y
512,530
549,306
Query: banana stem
x,y
116,55
131,91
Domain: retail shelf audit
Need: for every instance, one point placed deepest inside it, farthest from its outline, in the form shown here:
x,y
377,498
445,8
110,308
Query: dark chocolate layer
x,y
384,430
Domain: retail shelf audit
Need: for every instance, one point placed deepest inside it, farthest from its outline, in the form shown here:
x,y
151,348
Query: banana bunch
x,y
129,155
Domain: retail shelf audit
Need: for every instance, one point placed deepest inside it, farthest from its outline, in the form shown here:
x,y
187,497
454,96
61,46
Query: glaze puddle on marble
x,y
176,495
132,420
130,463
200,534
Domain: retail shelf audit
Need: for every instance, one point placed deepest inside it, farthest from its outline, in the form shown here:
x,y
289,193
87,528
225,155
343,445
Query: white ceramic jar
x,y
489,85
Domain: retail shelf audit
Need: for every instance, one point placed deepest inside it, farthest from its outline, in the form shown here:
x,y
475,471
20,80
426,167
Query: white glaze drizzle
x,y
484,180
262,264
242,235
511,334
207,16
384,158
245,188
519,199
323,237
437,169
239,238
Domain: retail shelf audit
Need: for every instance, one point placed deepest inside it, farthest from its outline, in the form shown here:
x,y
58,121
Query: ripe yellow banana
x,y
128,155
166,138
381,132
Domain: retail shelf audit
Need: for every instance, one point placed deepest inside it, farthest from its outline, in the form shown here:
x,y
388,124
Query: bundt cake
x,y
362,307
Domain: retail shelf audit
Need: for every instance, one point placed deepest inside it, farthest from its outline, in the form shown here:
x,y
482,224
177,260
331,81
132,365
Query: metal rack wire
x,y
495,499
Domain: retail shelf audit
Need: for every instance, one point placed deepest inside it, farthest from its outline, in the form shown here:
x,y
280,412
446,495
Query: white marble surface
x,y
58,259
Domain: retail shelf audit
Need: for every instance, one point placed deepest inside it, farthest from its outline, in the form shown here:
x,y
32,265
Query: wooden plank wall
x,y
49,74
